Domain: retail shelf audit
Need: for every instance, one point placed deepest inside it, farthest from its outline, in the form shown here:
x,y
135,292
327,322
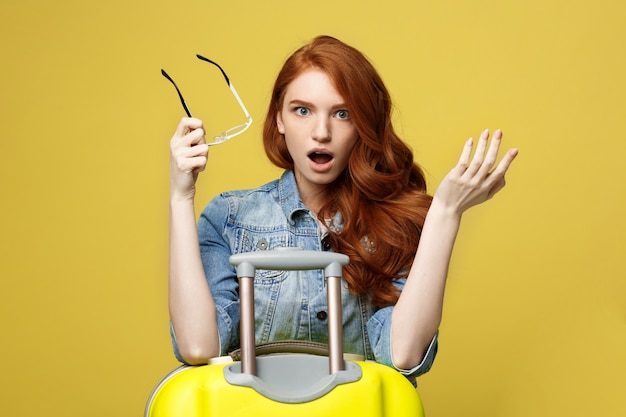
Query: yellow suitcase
x,y
300,383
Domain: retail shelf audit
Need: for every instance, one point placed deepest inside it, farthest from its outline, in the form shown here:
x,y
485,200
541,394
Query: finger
x,y
505,163
495,181
186,125
492,154
187,156
193,151
194,137
479,154
463,163
195,164
495,188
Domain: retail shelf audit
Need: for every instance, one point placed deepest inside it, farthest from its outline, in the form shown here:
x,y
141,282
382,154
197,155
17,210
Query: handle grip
x,y
294,259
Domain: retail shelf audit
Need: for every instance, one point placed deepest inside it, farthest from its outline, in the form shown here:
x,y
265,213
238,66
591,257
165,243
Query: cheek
x,y
290,145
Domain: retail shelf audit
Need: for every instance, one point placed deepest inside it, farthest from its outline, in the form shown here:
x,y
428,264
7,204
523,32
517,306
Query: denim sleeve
x,y
379,330
220,274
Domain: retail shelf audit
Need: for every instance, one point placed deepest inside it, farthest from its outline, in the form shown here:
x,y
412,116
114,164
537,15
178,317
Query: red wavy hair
x,y
382,193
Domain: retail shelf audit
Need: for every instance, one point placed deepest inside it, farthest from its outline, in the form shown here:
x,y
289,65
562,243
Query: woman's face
x,y
318,131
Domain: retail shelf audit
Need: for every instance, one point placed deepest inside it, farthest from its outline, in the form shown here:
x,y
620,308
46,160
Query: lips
x,y
320,157
321,160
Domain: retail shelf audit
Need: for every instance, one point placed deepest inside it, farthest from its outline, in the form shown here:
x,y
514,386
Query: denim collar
x,y
289,197
292,205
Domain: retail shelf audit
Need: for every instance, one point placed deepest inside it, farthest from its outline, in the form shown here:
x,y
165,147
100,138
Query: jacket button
x,y
322,315
326,246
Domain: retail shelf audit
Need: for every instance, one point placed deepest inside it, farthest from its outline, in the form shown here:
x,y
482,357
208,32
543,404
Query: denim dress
x,y
289,305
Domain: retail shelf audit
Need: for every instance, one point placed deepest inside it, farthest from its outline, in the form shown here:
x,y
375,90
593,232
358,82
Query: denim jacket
x,y
289,305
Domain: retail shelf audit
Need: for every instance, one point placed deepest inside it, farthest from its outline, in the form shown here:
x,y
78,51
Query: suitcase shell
x,y
203,391
286,384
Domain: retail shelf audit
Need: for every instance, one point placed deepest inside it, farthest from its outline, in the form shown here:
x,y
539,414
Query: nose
x,y
321,129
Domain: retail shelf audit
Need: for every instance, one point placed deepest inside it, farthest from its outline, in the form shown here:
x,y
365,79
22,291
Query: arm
x,y
417,314
191,305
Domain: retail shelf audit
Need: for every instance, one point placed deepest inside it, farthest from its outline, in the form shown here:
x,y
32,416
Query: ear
x,y
279,123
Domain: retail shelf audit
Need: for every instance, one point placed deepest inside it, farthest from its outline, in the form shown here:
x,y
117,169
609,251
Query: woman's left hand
x,y
473,182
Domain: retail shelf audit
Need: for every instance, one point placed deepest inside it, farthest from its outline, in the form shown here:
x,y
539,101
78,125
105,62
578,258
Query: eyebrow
x,y
303,103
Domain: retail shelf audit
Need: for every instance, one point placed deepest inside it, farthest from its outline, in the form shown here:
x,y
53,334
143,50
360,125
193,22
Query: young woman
x,y
350,185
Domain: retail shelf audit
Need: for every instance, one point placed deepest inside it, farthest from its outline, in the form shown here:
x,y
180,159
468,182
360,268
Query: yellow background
x,y
535,314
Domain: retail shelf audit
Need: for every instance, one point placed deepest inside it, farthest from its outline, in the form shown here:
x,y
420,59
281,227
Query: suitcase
x,y
286,378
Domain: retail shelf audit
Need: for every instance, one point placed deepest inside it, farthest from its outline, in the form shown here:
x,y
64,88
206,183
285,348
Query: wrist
x,y
178,198
444,209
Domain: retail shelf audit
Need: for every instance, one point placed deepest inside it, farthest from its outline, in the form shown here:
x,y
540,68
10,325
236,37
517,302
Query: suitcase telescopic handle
x,y
294,259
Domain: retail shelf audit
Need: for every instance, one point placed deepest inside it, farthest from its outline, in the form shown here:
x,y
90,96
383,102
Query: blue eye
x,y
302,111
343,114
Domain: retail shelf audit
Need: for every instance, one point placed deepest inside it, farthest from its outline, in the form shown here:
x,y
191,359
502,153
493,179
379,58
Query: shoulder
x,y
257,192
231,204
264,194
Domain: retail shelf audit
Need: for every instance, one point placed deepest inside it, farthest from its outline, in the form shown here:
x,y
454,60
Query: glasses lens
x,y
231,133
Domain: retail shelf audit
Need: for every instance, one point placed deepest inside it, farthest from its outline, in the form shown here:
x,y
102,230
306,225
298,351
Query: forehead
x,y
313,86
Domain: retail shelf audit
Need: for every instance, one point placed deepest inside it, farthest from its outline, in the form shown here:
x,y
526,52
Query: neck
x,y
313,203
313,199
313,195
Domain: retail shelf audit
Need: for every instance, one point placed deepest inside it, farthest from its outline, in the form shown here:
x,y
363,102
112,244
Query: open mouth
x,y
320,157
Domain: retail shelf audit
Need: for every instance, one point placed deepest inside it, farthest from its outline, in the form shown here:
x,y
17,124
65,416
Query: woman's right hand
x,y
188,157
191,305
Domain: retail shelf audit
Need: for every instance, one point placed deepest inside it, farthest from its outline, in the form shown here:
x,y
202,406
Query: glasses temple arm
x,y
182,100
203,58
245,111
216,64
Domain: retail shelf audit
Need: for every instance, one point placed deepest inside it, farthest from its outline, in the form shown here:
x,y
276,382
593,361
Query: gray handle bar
x,y
294,259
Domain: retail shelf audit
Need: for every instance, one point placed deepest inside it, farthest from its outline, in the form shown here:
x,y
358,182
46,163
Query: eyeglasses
x,y
233,131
